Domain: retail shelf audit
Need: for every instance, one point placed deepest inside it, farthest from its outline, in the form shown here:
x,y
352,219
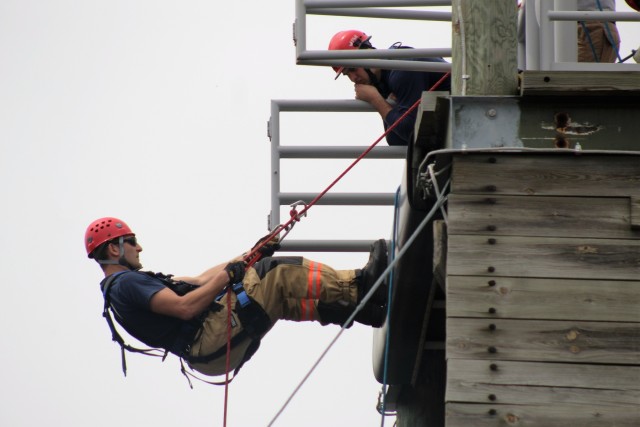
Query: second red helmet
x,y
348,40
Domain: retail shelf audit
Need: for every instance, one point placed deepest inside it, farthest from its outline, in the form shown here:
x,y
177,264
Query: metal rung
x,y
338,152
340,199
326,245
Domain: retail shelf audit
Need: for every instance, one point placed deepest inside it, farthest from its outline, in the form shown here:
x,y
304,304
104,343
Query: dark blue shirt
x,y
130,296
408,86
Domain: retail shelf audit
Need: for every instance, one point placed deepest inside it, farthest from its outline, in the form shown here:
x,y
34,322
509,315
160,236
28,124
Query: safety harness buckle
x,y
241,294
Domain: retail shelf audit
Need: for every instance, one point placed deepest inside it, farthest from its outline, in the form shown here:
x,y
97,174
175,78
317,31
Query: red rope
x,y
226,379
253,259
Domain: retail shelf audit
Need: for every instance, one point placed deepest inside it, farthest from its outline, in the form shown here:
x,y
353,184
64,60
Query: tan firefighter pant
x,y
599,42
289,291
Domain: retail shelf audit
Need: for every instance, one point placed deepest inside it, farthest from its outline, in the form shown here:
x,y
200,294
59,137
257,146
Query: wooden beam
x,y
544,257
558,414
546,175
484,48
602,217
635,212
440,253
543,341
429,129
580,83
531,383
529,298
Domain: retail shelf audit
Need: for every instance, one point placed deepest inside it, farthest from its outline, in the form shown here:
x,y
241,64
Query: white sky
x,y
156,112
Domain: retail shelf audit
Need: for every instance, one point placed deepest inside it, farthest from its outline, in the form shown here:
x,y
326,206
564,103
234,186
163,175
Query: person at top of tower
x,y
598,41
188,316
390,92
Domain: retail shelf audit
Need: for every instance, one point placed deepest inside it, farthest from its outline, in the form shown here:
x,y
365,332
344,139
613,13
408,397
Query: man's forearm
x,y
199,299
193,303
381,106
205,276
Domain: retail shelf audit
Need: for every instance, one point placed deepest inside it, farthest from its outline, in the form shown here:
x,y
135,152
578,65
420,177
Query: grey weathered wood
x,y
580,83
531,298
542,216
547,175
439,252
635,212
543,340
542,383
489,57
544,257
428,130
557,415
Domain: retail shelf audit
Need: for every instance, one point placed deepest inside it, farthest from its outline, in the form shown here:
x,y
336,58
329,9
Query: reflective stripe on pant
x,y
290,288
287,288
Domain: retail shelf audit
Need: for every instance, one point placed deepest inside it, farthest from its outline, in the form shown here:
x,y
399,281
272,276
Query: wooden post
x,y
484,47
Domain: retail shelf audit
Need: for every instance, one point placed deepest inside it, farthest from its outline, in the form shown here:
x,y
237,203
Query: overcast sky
x,y
156,112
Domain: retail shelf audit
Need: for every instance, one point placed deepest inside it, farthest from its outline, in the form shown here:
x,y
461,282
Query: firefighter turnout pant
x,y
287,288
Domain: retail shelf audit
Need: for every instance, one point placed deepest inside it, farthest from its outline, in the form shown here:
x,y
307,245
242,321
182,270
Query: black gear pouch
x,y
254,319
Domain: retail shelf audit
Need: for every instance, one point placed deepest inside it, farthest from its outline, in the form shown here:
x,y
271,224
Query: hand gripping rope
x,y
254,256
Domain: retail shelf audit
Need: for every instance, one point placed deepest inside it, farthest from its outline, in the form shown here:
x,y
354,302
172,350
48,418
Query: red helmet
x,y
634,4
102,230
348,40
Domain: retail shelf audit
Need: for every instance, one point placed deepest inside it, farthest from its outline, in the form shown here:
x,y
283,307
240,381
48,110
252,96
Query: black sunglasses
x,y
131,240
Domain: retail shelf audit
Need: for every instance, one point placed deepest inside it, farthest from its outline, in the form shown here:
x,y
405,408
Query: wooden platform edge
x,y
560,415
580,83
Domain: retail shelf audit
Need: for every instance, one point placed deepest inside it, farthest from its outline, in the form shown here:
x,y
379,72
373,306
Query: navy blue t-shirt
x,y
408,86
130,295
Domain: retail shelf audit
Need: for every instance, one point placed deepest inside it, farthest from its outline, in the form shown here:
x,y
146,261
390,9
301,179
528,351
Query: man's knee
x,y
265,265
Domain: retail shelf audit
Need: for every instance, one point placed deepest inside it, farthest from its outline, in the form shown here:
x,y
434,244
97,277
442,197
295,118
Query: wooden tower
x,y
521,306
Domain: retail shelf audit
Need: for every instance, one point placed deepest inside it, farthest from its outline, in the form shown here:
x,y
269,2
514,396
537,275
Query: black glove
x,y
269,248
235,270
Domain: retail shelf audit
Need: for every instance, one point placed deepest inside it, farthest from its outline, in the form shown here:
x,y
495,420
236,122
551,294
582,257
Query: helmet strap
x,y
121,260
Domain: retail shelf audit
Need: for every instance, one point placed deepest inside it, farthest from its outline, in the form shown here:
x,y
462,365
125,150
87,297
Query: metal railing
x,y
362,58
370,58
278,152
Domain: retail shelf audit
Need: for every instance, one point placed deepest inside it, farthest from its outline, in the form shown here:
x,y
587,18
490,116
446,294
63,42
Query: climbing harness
x,y
249,313
115,336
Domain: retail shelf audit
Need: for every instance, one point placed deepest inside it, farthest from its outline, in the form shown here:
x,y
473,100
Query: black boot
x,y
372,314
336,314
367,277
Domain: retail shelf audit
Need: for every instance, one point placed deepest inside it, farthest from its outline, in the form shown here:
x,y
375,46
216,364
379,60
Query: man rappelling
x,y
188,316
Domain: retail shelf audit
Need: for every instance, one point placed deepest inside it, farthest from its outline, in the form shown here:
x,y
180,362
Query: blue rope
x,y
389,297
593,48
610,36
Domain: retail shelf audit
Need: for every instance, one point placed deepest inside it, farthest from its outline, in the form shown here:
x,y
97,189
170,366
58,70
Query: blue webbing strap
x,y
241,294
